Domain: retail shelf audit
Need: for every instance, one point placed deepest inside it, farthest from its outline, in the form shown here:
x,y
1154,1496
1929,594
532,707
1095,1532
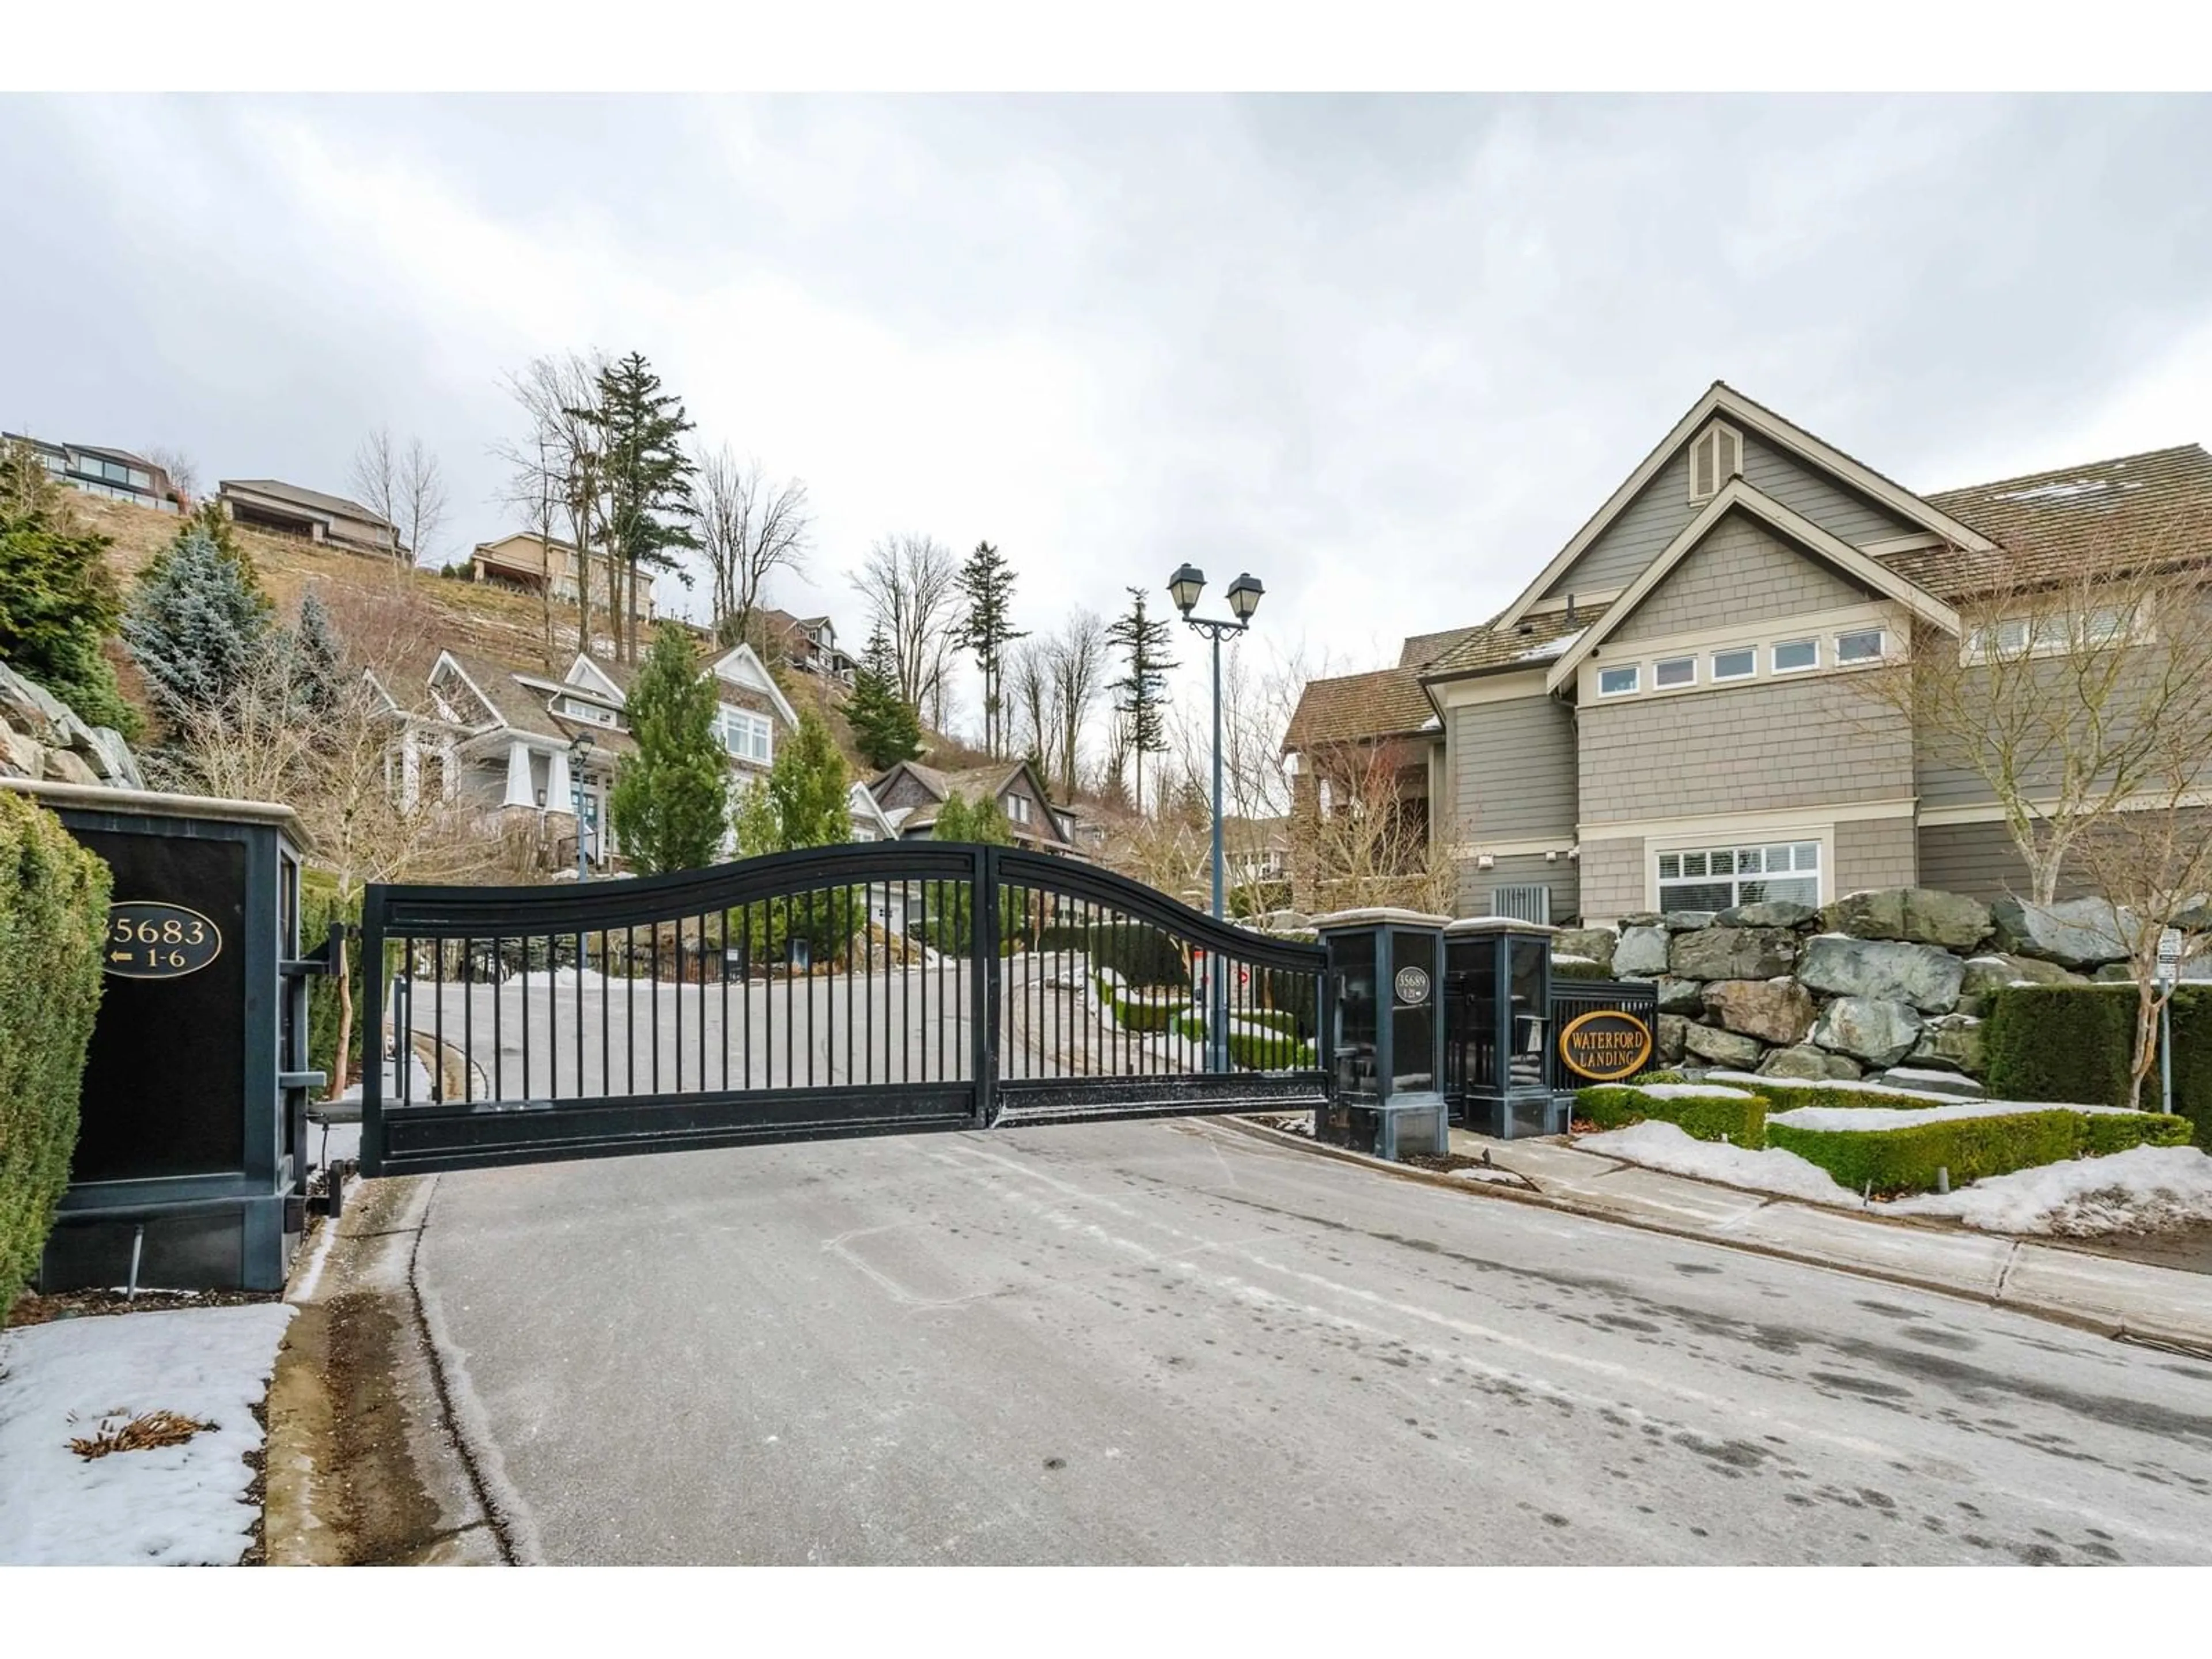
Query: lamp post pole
x,y
580,751
1184,586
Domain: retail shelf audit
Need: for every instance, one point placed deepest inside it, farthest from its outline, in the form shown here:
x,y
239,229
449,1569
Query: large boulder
x,y
1951,1042
1778,1011
1918,915
1996,971
1672,1029
1722,1048
110,756
32,710
1680,996
1641,954
1591,944
19,757
1875,1029
1768,912
1734,953
66,766
1805,1064
1639,918
2073,933
1686,921
1921,974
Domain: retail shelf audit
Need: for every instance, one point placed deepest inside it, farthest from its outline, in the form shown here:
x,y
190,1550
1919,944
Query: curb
x,y
2190,1344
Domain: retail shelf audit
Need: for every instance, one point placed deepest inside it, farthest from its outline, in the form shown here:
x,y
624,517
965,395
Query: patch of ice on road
x,y
2140,1190
1864,1118
1668,1147
174,1506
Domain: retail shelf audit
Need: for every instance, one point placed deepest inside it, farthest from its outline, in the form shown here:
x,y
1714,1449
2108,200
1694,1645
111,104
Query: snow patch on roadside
x,y
2140,1190
1667,1146
173,1506
1865,1118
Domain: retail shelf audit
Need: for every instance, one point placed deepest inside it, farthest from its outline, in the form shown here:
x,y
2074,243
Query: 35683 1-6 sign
x,y
1605,1044
148,939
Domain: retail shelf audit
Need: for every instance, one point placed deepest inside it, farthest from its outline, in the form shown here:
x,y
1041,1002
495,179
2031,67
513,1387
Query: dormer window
x,y
1715,457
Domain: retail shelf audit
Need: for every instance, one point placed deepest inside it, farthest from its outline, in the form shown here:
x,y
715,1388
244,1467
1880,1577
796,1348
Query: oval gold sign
x,y
1605,1045
149,939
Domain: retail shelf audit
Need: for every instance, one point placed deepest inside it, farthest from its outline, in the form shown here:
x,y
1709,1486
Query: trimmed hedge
x,y
1140,953
1702,1117
1971,1148
1567,970
1270,1051
1133,1014
1785,1095
2072,1041
53,924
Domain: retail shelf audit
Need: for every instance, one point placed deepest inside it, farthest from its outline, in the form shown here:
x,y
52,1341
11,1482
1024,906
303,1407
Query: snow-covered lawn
x,y
173,1506
2139,1190
1874,1091
1863,1119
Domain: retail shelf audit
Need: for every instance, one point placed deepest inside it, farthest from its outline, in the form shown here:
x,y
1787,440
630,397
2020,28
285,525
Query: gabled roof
x,y
1353,707
1723,399
1737,496
973,783
1420,650
481,677
861,802
308,498
1528,643
2049,521
612,678
741,665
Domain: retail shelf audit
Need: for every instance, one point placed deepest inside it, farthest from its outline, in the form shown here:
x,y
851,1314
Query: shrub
x,y
1971,1148
1703,1117
1275,1020
53,920
1142,1014
2068,1042
1270,1051
1578,968
1296,995
2116,1132
1788,1095
1139,953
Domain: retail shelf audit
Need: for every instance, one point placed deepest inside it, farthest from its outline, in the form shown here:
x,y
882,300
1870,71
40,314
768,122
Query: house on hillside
x,y
1659,720
809,644
528,562
117,474
913,794
286,509
530,750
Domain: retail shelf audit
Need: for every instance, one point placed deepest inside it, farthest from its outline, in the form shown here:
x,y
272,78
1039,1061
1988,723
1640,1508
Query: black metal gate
x,y
865,989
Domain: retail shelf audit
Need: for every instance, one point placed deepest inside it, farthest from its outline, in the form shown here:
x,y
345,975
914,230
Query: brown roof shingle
x,y
1387,703
1532,641
1422,649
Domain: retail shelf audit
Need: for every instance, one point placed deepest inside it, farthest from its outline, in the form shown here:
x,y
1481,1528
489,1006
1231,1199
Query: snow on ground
x,y
172,1506
1689,1091
1862,1118
1876,1091
1666,1147
2139,1190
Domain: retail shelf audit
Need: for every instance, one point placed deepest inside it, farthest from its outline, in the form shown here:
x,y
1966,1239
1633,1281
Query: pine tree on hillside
x,y
195,627
1142,695
804,800
646,476
986,582
669,804
885,730
58,598
318,674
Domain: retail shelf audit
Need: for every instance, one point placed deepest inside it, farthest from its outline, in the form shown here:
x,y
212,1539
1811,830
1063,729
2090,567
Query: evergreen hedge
x,y
1788,1095
53,921
1140,953
1702,1117
1971,1148
2072,1042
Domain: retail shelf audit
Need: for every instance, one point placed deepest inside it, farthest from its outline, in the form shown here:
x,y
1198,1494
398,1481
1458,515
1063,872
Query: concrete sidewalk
x,y
2118,1298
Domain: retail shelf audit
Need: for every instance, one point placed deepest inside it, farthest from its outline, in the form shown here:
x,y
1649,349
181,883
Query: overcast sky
x,y
1386,353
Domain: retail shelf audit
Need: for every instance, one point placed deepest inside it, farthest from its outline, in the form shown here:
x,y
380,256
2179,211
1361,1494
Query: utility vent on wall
x,y
1530,903
1715,457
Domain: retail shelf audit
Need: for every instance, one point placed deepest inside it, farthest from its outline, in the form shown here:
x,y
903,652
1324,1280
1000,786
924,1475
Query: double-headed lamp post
x,y
580,752
1184,587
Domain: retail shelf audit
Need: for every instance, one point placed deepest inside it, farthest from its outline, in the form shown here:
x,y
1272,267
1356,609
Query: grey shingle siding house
x,y
1655,722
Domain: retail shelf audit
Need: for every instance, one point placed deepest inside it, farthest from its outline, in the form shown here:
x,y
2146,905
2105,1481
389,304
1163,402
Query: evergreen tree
x,y
1142,698
885,730
986,582
669,804
58,598
962,819
317,665
646,476
803,801
195,627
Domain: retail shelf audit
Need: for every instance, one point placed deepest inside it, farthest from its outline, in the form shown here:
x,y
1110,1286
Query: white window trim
x,y
2134,631
1018,809
1690,685
729,715
1774,659
1882,649
1711,838
1750,673
1629,691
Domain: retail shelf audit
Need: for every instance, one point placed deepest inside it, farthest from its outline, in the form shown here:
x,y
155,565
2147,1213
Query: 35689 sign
x,y
148,939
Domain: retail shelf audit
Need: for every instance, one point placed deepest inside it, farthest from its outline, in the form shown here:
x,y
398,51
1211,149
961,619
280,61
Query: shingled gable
x,y
1737,496
1722,399
1354,708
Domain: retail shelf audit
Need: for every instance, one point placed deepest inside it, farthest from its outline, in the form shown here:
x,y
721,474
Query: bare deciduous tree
x,y
2069,692
1075,664
184,472
558,396
910,583
406,488
751,526
1359,841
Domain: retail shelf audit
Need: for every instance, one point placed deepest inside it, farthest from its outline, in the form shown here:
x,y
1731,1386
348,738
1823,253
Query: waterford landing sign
x,y
1605,1045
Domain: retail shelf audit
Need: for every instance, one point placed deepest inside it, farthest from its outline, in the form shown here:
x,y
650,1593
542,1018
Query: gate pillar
x,y
1382,1010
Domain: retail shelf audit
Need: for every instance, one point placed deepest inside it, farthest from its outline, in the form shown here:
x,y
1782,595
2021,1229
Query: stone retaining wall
x,y
41,737
1897,978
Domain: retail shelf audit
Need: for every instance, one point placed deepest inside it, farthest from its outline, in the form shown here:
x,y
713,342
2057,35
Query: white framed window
x,y
576,709
1618,682
1739,664
747,736
1670,672
1715,457
1794,656
1717,878
1861,645
2089,630
1018,809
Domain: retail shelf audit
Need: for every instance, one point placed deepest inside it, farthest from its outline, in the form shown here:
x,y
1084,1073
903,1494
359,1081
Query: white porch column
x,y
520,792
558,795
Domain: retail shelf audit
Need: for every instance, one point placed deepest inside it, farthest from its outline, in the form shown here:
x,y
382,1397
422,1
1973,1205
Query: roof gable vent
x,y
1716,457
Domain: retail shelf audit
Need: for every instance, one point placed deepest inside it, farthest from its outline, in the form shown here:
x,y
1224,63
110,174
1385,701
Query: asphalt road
x,y
1170,1342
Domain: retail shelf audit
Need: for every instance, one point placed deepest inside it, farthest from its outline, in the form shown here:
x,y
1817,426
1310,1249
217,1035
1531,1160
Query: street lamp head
x,y
1244,596
1187,582
580,749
